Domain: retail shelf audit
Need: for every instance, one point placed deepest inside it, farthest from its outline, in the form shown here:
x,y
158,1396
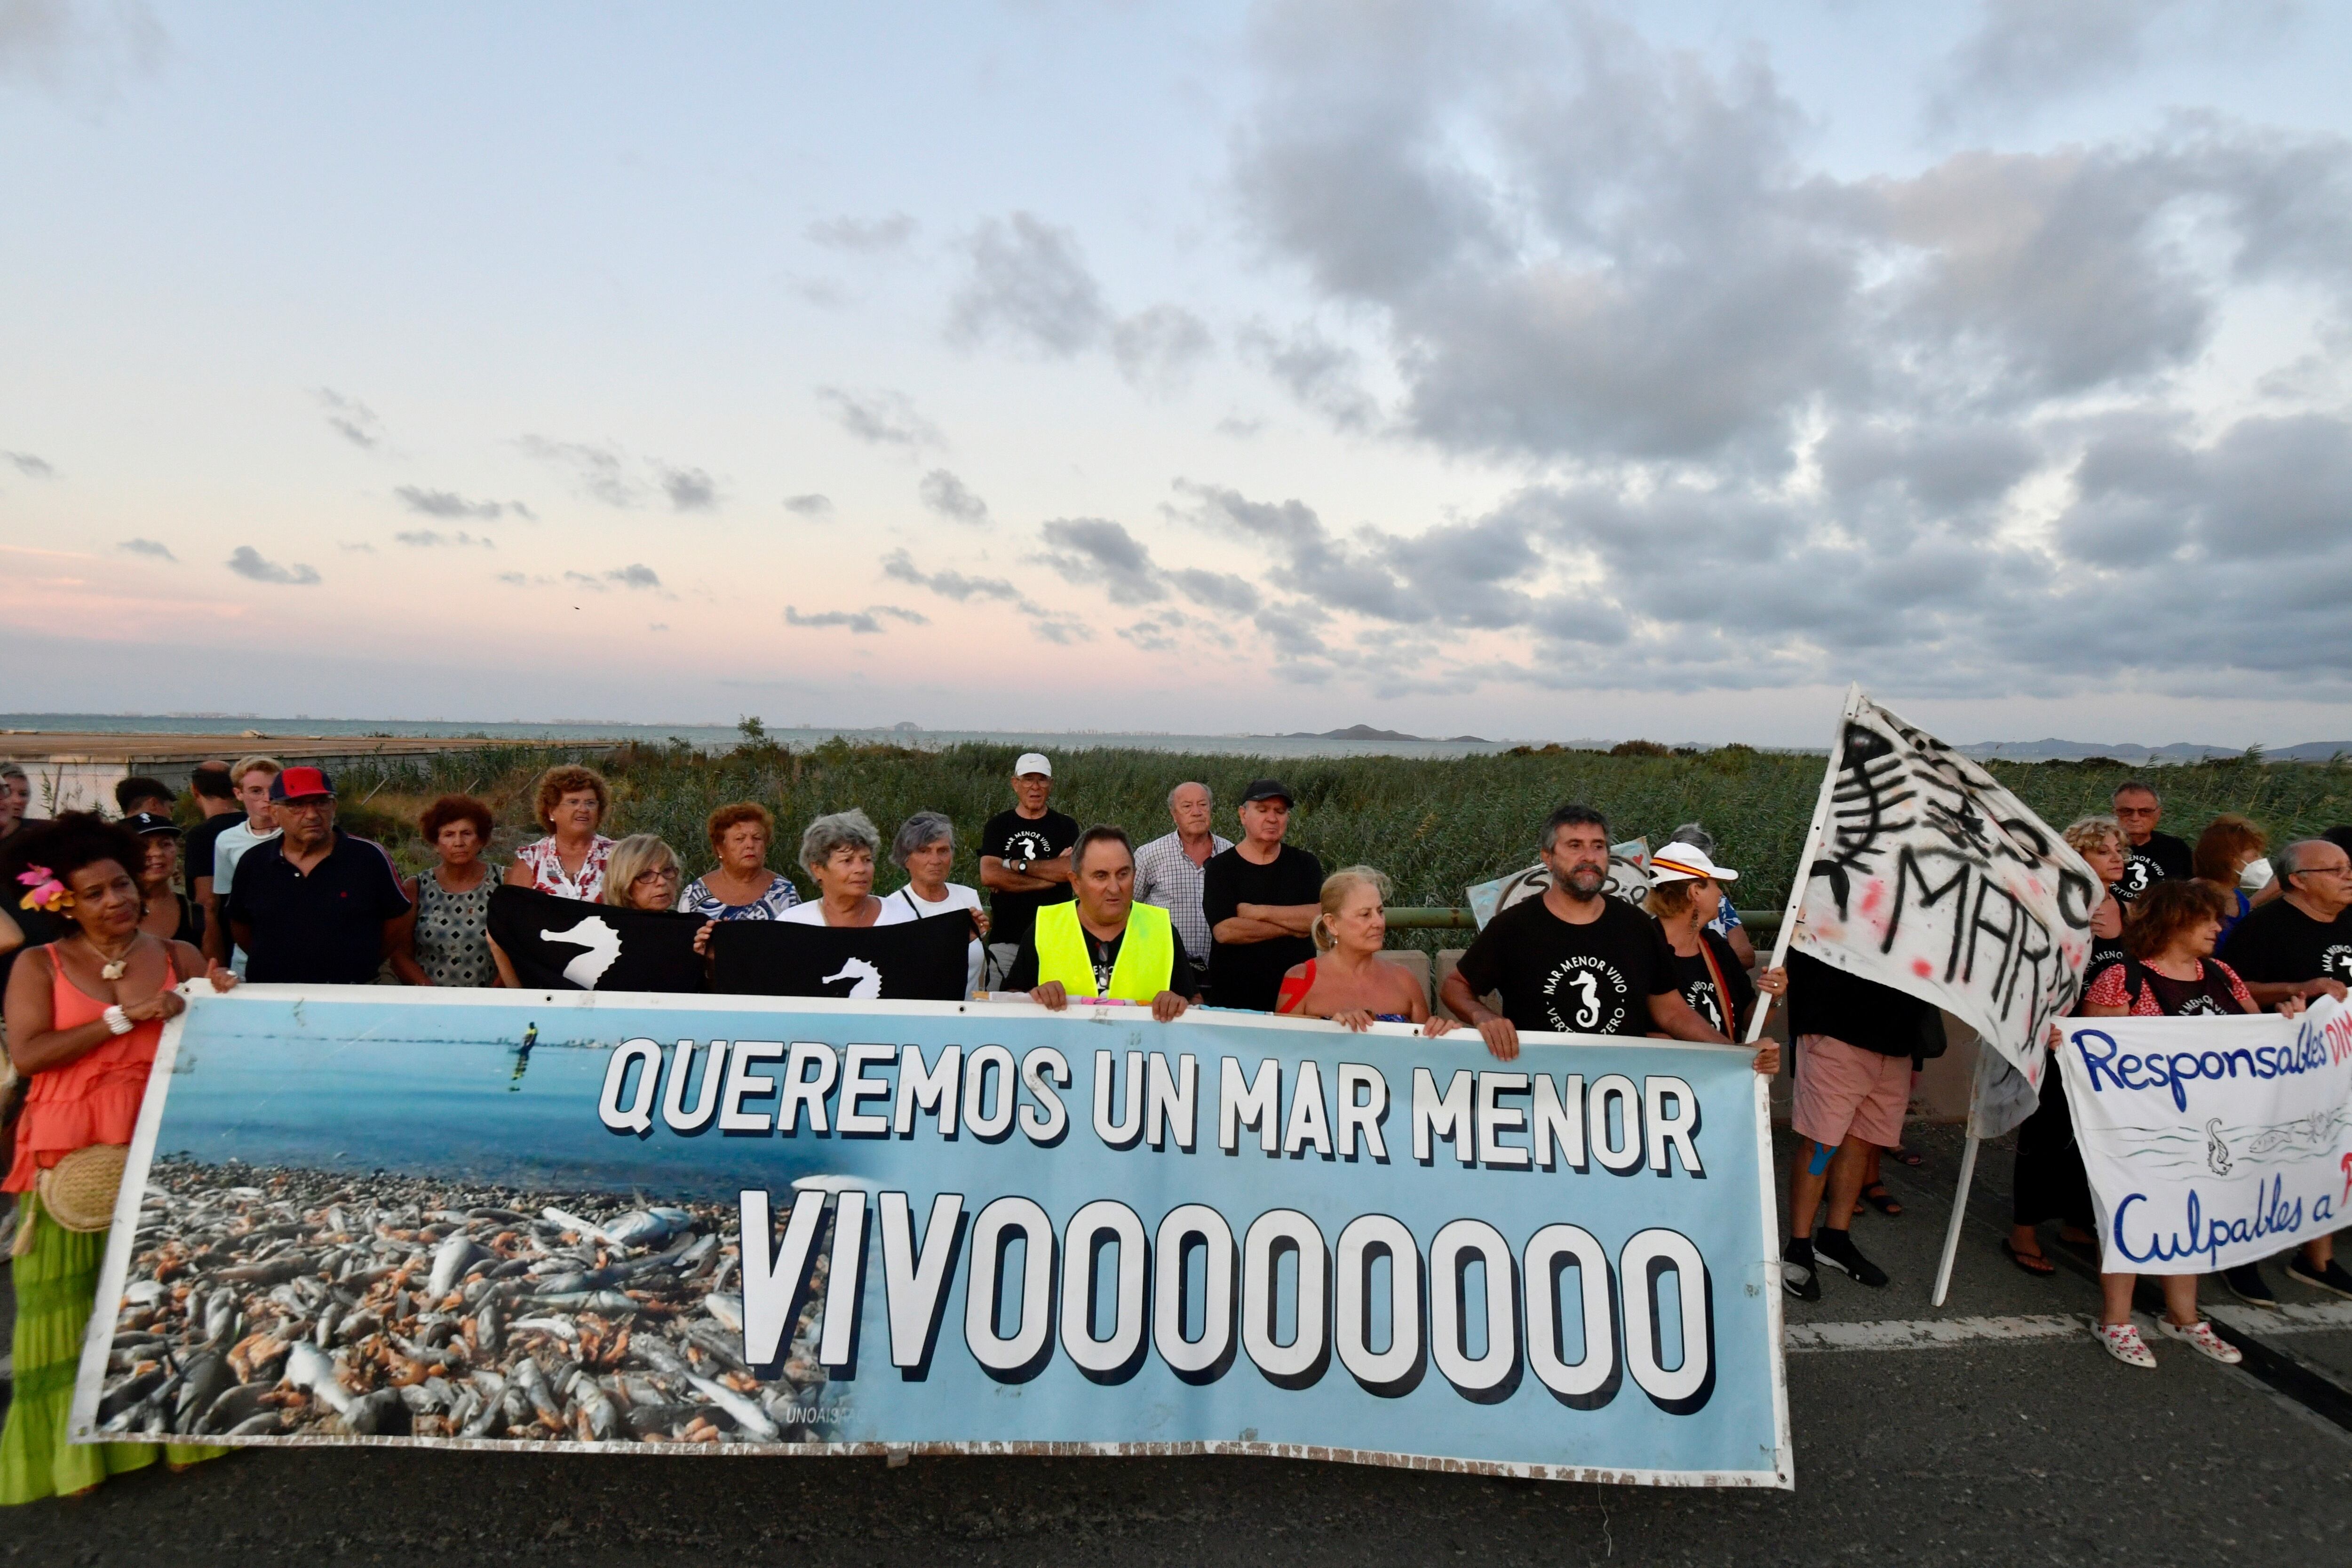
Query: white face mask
x,y
2256,876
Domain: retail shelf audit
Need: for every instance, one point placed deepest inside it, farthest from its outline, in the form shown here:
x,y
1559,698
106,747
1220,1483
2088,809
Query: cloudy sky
x,y
1541,371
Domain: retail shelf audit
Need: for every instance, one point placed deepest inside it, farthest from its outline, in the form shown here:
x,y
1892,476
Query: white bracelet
x,y
117,1021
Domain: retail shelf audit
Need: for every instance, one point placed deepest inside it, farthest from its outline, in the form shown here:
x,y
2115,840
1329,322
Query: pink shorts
x,y
1843,1089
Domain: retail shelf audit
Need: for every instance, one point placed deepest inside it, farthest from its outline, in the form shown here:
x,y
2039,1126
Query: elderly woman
x,y
740,887
445,940
570,861
641,873
925,850
15,795
84,1015
2171,972
839,853
1347,981
170,913
2050,1182
2225,851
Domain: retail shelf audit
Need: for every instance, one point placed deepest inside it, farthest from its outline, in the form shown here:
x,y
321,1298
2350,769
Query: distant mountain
x,y
2056,751
1352,732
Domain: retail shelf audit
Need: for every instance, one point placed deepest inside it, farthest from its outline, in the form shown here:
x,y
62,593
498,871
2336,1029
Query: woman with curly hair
x,y
84,1012
568,862
445,938
740,887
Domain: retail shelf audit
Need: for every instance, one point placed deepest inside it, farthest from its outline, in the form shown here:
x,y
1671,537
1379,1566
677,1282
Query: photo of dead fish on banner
x,y
1151,1135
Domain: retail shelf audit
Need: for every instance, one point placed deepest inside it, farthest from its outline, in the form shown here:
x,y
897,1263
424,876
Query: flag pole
x,y
1959,1213
1803,876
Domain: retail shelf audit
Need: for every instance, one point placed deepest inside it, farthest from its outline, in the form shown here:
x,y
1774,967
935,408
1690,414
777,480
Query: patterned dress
x,y
453,945
547,875
699,900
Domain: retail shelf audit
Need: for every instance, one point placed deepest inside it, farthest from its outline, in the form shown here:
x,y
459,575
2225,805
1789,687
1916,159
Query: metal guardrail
x,y
1762,924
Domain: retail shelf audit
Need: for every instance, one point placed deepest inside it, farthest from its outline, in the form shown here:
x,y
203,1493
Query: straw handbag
x,y
78,1191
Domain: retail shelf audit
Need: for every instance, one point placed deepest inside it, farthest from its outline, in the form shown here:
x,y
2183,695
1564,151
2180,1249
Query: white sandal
x,y
2123,1343
2200,1334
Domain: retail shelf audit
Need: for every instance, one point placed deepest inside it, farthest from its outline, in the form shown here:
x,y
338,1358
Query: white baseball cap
x,y
1686,863
1031,763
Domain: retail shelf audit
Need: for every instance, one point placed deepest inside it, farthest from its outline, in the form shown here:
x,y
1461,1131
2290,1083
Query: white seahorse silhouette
x,y
604,945
1589,989
869,978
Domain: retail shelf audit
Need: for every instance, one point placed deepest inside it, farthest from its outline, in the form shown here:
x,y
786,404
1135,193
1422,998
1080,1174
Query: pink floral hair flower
x,y
48,893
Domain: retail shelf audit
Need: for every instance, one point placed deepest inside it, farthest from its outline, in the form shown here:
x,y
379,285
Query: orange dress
x,y
94,1099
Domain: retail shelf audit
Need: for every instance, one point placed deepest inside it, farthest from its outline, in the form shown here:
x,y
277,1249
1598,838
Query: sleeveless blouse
x,y
547,875
770,905
94,1099
453,945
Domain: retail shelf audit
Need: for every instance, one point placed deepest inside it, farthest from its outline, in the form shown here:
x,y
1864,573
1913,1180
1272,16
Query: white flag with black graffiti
x,y
1924,874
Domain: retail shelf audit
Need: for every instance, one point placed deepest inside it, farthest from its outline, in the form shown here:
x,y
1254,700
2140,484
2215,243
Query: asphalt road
x,y
1996,1451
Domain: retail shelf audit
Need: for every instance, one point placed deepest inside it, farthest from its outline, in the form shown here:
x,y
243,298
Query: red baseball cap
x,y
301,784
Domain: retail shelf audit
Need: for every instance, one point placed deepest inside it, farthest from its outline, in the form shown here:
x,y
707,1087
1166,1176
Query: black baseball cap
x,y
146,822
1268,789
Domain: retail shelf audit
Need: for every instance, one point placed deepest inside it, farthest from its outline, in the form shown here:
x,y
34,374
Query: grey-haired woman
x,y
925,849
837,851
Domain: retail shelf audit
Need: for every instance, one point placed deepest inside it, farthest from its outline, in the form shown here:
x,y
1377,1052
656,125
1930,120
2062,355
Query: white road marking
x,y
1931,1334
2289,1318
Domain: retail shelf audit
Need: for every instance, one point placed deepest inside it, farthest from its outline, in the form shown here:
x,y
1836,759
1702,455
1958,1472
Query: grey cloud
x,y
352,420
637,575
599,470
1325,375
947,495
31,466
248,562
2025,53
1028,284
1217,590
861,623
810,505
689,489
1622,256
882,418
446,503
954,586
1104,555
1157,348
57,44
864,235
427,538
153,547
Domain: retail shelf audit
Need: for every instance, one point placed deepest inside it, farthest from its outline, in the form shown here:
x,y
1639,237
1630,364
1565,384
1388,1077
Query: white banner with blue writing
x,y
754,1225
2212,1141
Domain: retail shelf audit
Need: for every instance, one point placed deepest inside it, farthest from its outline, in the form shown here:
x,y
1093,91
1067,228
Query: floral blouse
x,y
699,900
548,876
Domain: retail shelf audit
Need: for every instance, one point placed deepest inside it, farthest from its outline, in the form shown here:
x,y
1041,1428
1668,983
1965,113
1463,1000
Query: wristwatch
x,y
1021,867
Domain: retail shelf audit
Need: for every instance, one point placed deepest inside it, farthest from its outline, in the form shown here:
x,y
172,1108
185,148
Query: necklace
x,y
113,968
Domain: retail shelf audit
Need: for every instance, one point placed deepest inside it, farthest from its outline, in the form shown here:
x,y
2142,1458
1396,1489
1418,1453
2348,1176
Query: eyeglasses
x,y
666,874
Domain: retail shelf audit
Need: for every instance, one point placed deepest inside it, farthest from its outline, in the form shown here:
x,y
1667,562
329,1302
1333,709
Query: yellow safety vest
x,y
1147,956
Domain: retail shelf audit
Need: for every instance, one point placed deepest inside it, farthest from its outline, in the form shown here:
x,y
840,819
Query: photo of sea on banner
x,y
286,1304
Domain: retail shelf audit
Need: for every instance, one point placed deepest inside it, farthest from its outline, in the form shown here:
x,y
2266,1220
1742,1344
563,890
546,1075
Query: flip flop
x,y
1907,1156
2032,1263
1878,1197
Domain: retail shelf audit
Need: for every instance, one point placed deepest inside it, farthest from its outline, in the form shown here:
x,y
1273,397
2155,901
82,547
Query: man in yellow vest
x,y
1104,945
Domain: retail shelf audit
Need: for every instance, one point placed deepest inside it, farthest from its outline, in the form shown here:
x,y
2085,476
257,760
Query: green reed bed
x,y
1435,827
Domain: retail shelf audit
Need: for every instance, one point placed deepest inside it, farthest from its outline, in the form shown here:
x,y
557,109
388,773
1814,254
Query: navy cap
x,y
1268,789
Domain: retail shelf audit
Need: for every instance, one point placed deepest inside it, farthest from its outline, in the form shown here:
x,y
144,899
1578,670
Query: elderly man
x,y
1104,945
1260,898
251,778
1024,858
2151,855
1168,870
314,905
2297,945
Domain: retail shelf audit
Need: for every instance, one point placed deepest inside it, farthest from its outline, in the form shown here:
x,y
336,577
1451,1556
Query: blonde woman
x,y
1346,981
568,862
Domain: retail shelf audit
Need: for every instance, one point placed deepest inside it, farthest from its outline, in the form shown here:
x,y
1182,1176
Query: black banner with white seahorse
x,y
920,961
563,944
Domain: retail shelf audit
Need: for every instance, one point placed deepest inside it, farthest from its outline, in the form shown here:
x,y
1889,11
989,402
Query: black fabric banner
x,y
563,944
920,961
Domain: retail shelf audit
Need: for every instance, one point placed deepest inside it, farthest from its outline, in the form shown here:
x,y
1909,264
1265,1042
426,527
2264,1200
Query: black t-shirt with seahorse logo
x,y
1594,979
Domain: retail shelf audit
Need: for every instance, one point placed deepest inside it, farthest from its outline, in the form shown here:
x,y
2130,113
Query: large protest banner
x,y
2212,1141
1925,873
755,1224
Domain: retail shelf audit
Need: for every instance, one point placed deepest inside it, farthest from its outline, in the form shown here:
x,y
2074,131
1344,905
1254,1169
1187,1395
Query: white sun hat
x,y
1686,863
1031,763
